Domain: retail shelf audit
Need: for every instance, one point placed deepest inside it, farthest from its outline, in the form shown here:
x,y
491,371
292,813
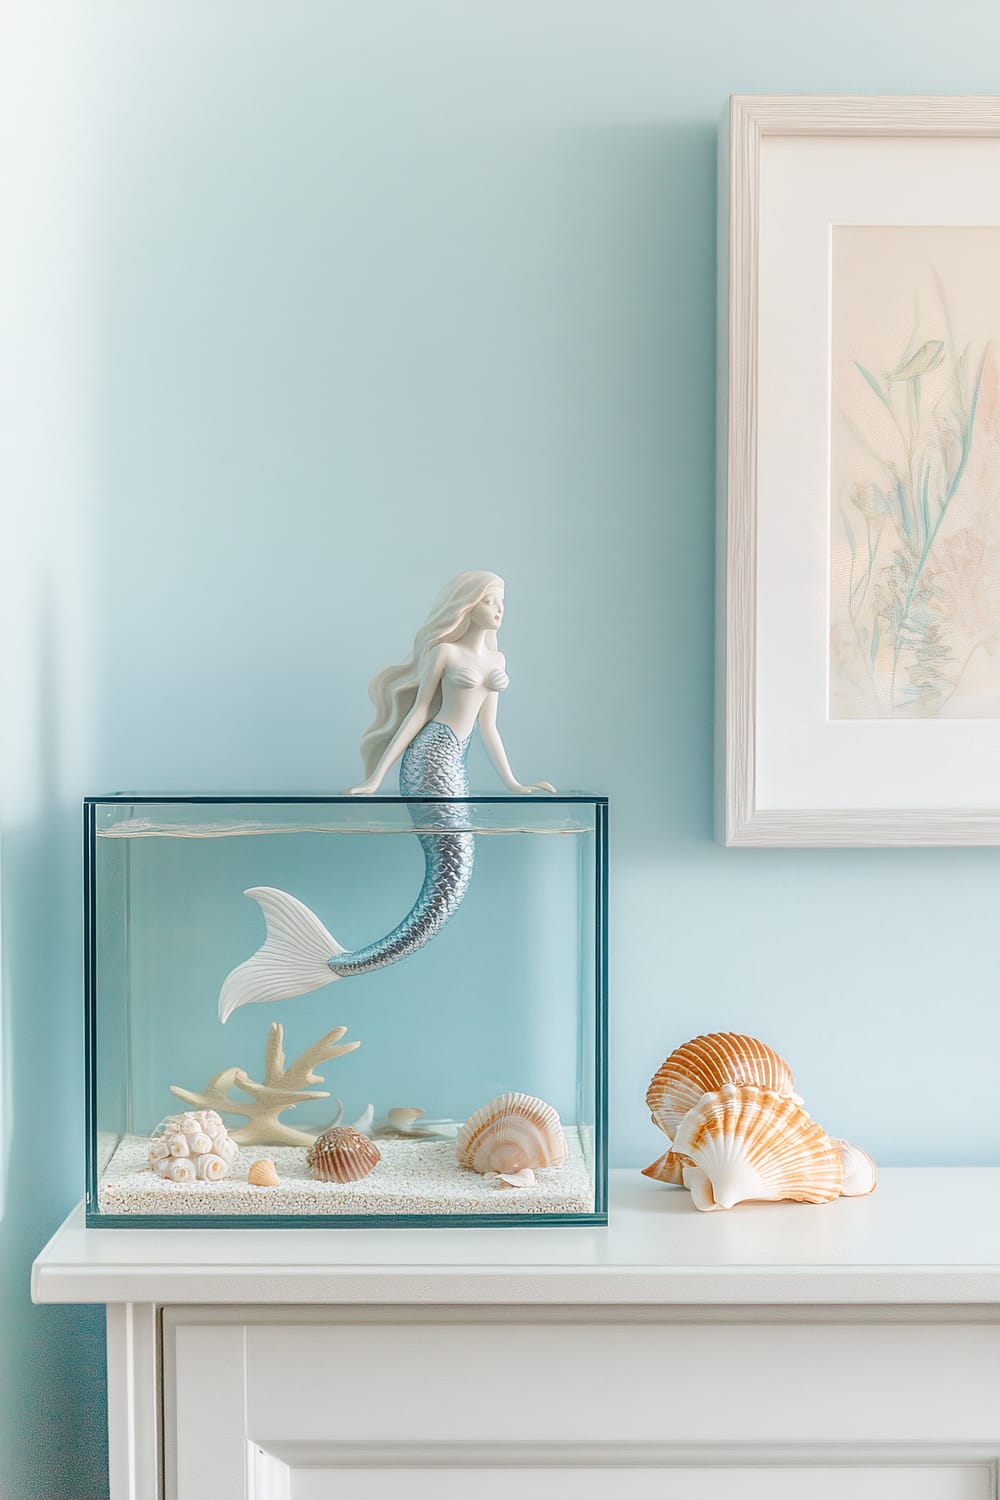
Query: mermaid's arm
x,y
490,736
411,725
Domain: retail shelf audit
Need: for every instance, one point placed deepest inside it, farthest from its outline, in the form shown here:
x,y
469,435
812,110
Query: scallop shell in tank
x,y
706,1063
342,1154
511,1134
193,1145
860,1171
749,1143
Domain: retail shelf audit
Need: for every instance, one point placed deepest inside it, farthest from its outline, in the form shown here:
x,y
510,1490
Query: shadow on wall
x,y
52,1379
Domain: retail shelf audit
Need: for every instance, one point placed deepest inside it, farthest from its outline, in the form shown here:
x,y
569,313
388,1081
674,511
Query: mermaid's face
x,y
488,613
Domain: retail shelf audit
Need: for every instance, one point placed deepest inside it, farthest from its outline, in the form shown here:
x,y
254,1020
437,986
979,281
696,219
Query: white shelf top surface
x,y
926,1236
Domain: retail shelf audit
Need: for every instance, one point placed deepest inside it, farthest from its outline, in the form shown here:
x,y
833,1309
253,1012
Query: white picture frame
x,y
789,772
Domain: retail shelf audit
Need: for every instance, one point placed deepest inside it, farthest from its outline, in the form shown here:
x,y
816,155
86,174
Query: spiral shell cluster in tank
x,y
739,1132
342,1154
512,1135
192,1147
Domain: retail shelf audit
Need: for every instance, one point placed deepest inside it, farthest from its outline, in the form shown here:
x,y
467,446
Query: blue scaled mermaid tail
x,y
299,954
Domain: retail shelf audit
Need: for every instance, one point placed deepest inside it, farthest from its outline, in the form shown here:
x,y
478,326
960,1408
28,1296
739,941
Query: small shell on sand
x,y
342,1154
410,1124
524,1178
263,1173
211,1168
176,1168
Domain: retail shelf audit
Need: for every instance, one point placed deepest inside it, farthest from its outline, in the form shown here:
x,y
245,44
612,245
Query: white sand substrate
x,y
413,1177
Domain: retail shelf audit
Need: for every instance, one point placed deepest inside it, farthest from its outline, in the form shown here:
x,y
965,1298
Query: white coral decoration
x,y
194,1145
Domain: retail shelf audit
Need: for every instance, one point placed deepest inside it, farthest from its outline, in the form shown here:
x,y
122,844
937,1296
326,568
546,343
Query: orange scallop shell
x,y
668,1168
749,1143
706,1063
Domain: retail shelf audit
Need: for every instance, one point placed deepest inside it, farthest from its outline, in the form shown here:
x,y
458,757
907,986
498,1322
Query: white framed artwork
x,y
859,546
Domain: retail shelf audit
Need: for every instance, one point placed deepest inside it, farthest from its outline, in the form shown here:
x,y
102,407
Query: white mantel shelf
x,y
926,1237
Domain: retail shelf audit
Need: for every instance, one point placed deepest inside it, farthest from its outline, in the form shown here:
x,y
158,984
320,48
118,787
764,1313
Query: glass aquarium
x,y
343,1011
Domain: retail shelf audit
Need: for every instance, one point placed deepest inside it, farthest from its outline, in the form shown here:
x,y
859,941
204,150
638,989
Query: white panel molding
x,y
134,1415
751,119
206,1451
269,1475
622,1455
711,1314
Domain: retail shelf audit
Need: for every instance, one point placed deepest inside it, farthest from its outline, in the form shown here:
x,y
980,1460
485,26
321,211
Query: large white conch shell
x,y
511,1134
749,1143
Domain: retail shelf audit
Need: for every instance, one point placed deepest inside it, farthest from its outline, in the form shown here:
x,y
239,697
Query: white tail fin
x,y
293,960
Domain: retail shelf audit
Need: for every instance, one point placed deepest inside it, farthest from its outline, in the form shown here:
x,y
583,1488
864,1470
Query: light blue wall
x,y
313,305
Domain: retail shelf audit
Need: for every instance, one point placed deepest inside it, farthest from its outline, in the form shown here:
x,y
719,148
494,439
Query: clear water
x,y
507,997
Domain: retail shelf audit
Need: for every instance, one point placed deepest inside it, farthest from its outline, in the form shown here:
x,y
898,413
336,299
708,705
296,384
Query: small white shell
x,y
178,1145
177,1168
199,1143
211,1167
860,1172
525,1178
511,1133
412,1124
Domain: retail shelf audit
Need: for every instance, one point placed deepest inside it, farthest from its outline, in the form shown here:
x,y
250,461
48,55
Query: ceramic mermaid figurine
x,y
425,712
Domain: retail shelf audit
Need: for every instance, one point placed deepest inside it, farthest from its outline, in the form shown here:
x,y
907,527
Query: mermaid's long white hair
x,y
394,690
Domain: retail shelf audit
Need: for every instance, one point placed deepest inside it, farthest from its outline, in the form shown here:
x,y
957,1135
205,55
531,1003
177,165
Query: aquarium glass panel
x,y
338,1083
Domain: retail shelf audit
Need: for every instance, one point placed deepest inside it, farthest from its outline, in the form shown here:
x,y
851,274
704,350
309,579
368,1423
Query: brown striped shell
x,y
749,1143
342,1154
706,1063
511,1133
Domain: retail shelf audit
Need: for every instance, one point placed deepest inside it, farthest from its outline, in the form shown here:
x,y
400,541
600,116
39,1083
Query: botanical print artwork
x,y
915,474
